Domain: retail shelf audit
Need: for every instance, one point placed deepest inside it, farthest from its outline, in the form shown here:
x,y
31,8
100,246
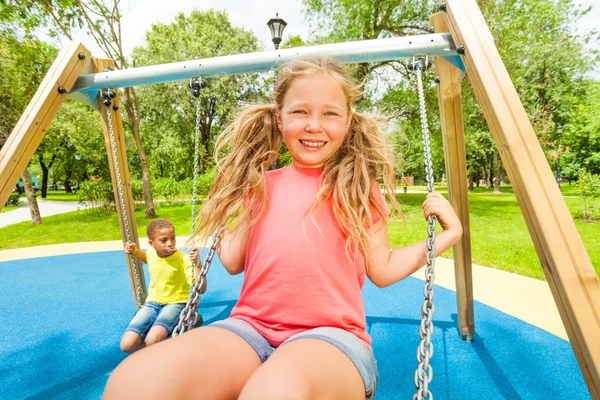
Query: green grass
x,y
86,226
58,195
499,236
7,207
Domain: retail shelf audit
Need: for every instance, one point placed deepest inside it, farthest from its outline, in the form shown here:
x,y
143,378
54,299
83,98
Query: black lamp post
x,y
559,131
276,25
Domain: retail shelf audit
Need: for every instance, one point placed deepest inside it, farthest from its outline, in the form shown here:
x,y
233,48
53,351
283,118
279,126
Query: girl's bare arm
x,y
388,267
232,248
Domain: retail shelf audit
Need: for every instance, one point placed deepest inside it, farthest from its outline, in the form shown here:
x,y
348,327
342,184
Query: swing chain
x,y
107,95
424,371
195,85
189,315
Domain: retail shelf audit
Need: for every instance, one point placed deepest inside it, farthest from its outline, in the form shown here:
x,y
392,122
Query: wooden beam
x,y
449,96
31,127
116,148
571,277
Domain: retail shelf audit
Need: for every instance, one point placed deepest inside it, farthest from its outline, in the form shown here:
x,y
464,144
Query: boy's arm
x,y
131,248
196,267
387,267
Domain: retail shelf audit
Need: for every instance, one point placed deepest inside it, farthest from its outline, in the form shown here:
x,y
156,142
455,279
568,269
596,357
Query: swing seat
x,y
198,320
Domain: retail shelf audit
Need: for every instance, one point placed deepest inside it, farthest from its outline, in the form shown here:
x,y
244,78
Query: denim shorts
x,y
153,313
348,343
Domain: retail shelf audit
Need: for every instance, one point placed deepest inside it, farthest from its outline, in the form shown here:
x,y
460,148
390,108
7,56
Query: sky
x,y
253,15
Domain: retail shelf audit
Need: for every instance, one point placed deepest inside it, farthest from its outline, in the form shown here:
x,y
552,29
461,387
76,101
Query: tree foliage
x,y
169,110
537,40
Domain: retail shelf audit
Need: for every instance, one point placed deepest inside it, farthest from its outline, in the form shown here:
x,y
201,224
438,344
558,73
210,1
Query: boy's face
x,y
164,242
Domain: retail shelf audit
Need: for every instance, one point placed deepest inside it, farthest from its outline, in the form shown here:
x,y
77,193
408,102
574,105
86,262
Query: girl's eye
x,y
299,112
331,113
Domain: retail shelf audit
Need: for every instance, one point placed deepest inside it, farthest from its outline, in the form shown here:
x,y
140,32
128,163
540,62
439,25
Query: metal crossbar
x,y
376,50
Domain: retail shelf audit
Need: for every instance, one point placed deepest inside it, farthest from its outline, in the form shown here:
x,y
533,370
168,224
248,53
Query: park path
x,y
47,208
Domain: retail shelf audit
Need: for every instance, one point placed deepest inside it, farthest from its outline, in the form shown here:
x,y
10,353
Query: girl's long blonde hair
x,y
247,147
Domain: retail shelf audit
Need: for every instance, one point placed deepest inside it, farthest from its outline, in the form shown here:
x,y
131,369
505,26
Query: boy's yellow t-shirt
x,y
170,277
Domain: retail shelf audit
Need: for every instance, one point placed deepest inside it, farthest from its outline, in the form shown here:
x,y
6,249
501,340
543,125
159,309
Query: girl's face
x,y
314,119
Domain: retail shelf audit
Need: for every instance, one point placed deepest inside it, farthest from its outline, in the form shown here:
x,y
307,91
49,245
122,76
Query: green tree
x,y
547,60
537,39
21,72
169,110
102,20
73,142
580,144
390,89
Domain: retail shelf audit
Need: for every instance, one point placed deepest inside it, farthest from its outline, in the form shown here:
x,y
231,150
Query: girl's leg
x,y
306,369
204,363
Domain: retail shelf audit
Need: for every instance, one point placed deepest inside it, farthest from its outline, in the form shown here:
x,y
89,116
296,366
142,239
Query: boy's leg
x,y
131,342
204,363
165,322
156,334
133,338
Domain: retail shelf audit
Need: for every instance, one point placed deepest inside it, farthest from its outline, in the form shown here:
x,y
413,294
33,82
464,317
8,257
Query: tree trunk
x,y
471,181
36,219
135,131
488,170
68,182
499,174
45,172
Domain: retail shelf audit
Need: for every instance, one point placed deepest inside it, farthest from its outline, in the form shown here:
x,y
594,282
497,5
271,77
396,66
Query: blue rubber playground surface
x,y
62,317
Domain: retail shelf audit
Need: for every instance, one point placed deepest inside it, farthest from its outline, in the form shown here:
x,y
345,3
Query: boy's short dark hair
x,y
156,225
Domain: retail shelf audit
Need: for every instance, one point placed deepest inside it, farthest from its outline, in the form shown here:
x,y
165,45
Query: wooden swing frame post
x,y
569,271
450,103
101,65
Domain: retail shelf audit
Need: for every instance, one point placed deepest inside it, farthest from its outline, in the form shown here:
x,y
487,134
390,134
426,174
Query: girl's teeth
x,y
313,144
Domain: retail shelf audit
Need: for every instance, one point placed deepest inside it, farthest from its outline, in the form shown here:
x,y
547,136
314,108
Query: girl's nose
x,y
313,125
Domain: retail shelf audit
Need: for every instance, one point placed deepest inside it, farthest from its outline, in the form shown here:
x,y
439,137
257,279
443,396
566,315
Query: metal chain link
x,y
189,315
424,371
196,162
140,293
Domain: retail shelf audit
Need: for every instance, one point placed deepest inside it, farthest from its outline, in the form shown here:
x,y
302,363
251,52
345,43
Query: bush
x,y
98,194
203,184
167,188
588,189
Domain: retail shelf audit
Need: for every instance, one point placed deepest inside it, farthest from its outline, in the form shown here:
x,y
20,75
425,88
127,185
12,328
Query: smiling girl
x,y
306,237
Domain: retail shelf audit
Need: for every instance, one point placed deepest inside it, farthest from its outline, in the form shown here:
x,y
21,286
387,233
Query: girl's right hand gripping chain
x,y
437,205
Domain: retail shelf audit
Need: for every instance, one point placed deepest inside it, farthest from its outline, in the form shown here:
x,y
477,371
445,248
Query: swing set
x,y
462,45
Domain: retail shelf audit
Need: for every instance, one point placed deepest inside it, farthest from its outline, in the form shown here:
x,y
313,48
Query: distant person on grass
x,y
171,276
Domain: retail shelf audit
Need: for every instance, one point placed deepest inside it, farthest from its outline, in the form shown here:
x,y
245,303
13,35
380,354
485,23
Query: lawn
x,y
499,236
56,195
